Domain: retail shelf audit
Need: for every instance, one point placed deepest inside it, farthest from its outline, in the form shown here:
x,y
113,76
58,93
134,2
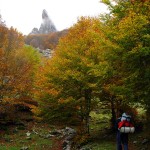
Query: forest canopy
x,y
99,60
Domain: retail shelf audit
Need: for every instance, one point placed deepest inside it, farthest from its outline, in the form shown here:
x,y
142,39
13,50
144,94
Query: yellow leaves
x,y
134,22
3,36
37,111
43,85
17,68
77,65
61,101
65,101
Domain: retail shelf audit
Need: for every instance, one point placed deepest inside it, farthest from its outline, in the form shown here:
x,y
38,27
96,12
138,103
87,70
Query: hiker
x,y
122,136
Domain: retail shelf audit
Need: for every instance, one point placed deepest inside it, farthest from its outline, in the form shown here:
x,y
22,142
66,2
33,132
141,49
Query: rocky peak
x,y
44,14
47,26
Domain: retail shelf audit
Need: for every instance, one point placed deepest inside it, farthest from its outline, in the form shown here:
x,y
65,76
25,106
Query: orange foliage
x,y
16,68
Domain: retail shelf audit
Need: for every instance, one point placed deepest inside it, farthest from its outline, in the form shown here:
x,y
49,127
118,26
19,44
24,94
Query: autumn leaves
x,y
100,59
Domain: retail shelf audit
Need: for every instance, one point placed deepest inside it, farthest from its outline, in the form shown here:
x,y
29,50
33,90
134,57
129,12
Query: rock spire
x,y
47,26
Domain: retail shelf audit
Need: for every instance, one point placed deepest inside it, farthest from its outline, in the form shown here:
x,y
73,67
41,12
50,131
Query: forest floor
x,y
32,136
35,136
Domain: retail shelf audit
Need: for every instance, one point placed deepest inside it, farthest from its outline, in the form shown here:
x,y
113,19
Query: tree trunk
x,y
87,109
113,113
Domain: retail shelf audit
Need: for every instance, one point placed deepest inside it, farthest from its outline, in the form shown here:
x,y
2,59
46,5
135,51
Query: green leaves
x,y
108,60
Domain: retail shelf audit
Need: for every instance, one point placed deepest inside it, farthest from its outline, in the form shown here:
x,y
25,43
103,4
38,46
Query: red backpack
x,y
124,123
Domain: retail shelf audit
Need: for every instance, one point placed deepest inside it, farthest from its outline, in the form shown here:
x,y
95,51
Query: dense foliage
x,y
104,59
17,68
129,29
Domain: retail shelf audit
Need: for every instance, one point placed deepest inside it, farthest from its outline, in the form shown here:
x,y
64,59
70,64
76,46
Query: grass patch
x,y
101,137
99,122
102,146
8,148
17,140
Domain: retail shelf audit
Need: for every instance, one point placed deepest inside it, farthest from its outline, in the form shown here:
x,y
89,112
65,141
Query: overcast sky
x,y
27,14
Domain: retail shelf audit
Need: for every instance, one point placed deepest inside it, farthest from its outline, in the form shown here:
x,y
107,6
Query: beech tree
x,y
127,26
17,67
75,70
92,61
135,42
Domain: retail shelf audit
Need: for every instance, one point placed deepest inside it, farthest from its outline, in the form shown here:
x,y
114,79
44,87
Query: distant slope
x,y
45,41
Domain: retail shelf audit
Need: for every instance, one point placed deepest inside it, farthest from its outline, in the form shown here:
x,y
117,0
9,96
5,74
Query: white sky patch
x,y
27,14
